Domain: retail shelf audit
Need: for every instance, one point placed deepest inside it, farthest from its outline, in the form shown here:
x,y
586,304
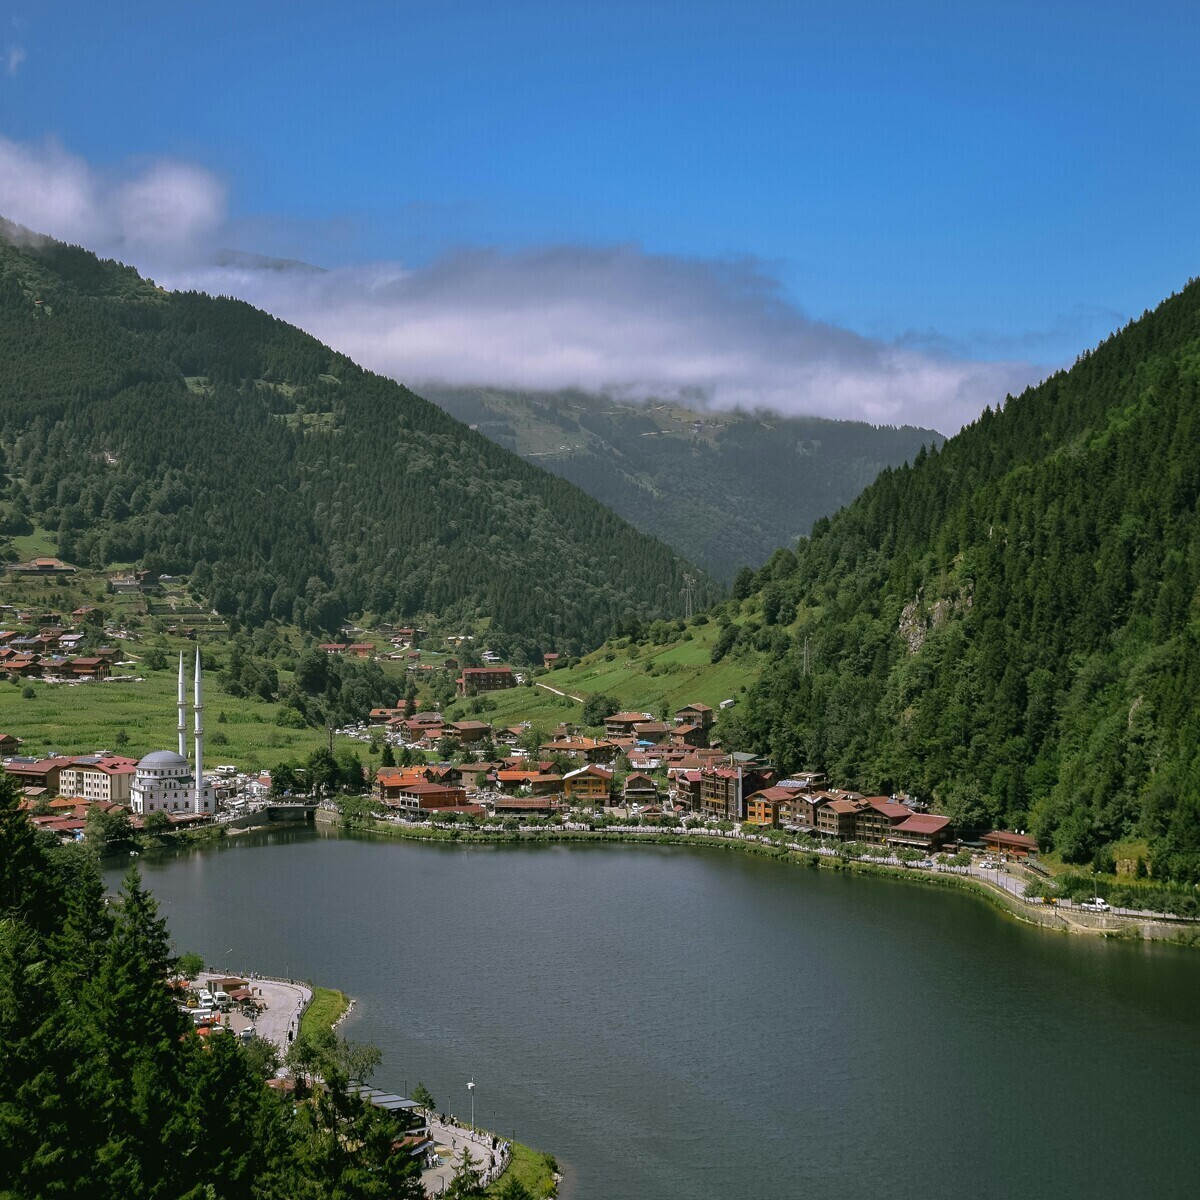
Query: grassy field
x,y
77,718
530,1167
327,1007
640,678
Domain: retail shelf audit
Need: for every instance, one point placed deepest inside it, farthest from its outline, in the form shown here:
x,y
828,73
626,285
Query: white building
x,y
165,781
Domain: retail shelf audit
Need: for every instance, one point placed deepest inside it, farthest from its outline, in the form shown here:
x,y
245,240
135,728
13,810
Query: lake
x,y
692,1024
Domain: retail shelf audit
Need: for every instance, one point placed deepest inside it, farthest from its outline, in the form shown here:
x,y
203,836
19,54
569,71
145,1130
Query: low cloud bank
x,y
600,318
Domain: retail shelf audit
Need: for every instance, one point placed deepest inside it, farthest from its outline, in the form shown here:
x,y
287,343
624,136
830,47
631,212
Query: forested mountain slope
x,y
724,489
1012,624
195,434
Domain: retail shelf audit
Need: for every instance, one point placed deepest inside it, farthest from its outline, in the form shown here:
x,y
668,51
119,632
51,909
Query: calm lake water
x,y
698,1025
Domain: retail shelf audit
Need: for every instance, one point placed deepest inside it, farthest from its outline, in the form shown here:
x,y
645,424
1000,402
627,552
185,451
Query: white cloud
x,y
14,56
600,318
159,213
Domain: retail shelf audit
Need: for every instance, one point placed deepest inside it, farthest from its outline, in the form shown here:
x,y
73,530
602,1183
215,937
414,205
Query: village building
x,y
467,733
475,680
1014,845
835,818
639,789
695,714
723,790
875,818
620,725
921,831
766,807
37,772
588,785
653,733
105,777
517,806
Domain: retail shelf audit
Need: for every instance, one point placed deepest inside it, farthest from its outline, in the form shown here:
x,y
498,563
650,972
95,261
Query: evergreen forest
x,y
1010,625
105,1089
198,435
724,489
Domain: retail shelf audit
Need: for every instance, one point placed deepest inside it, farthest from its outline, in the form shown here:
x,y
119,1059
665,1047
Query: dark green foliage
x,y
722,494
1011,625
199,435
597,708
106,1092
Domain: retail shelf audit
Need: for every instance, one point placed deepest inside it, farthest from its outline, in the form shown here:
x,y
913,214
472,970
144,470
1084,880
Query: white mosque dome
x,y
163,760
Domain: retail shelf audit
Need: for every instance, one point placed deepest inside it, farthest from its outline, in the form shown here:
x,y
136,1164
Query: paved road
x,y
437,1179
285,1002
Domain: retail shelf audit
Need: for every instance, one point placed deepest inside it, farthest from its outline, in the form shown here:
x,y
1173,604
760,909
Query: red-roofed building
x,y
763,808
360,649
422,797
90,668
922,831
835,818
723,790
107,778
695,714
621,724
639,789
876,817
1016,845
40,772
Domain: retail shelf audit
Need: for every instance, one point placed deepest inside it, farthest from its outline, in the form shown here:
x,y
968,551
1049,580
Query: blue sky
x,y
959,182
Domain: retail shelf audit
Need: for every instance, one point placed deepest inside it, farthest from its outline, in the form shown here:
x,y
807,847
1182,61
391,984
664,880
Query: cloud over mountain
x,y
597,317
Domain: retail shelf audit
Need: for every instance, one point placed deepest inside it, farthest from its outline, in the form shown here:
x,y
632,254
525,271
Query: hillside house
x,y
90,668
620,725
653,733
695,714
468,733
475,680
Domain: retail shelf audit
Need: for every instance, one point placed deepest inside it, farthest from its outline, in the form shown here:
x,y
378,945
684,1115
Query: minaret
x,y
182,705
198,710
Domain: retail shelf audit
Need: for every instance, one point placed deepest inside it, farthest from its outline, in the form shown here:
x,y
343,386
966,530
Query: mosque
x,y
165,781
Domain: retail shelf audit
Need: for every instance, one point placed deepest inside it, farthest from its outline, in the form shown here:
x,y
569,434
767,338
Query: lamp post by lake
x,y
471,1089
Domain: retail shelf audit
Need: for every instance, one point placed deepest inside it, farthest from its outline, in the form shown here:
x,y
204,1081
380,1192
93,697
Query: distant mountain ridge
x,y
200,435
724,489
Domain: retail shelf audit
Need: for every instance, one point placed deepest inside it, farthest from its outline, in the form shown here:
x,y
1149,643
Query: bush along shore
x,y
1047,904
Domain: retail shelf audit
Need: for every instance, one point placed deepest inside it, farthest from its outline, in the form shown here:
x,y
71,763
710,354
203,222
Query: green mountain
x,y
1012,624
723,488
200,435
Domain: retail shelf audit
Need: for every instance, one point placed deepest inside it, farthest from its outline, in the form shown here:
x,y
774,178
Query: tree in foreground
x,y
107,1092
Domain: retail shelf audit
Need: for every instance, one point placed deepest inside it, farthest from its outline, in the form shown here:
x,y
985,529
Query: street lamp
x,y
471,1089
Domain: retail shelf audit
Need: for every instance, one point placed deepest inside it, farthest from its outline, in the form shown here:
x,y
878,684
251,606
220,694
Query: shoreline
x,y
1109,927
